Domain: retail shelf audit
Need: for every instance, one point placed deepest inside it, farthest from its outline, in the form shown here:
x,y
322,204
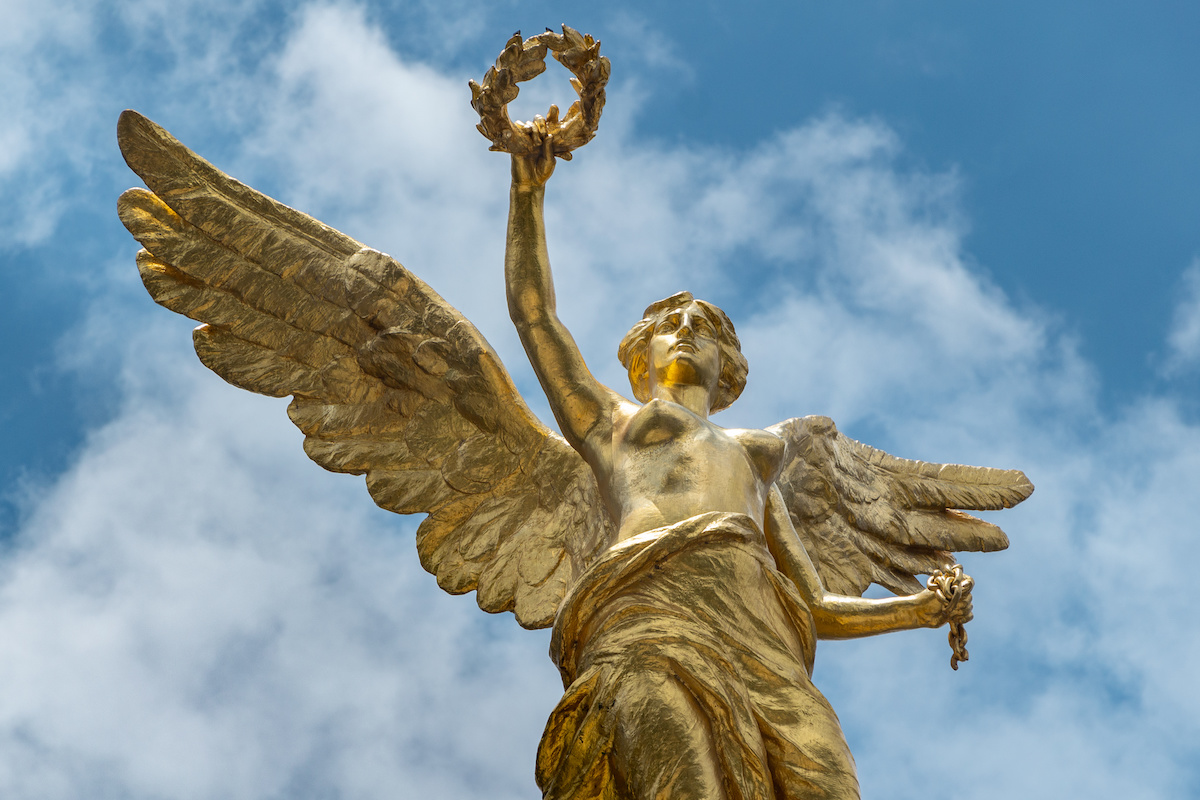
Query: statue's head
x,y
665,315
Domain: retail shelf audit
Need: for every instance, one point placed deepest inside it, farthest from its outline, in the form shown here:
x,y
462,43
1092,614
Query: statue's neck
x,y
696,399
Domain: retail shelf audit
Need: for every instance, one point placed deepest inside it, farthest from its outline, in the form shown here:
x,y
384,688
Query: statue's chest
x,y
659,424
665,439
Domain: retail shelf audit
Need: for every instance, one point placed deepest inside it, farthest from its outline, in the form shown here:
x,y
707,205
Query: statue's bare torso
x,y
668,464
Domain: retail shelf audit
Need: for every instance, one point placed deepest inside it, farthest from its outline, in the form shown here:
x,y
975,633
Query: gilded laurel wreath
x,y
522,60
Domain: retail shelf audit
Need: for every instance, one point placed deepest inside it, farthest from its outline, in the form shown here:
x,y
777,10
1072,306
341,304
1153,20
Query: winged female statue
x,y
687,569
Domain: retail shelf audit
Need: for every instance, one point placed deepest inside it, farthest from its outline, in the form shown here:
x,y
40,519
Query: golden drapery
x,y
687,659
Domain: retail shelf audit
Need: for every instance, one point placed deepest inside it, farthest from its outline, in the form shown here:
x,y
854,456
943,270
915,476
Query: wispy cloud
x,y
203,614
1183,340
40,42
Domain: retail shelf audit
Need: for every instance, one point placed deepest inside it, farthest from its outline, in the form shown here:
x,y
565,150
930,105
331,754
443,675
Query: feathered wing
x,y
868,517
388,380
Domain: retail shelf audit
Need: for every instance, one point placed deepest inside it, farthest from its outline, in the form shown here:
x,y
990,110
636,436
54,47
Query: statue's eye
x,y
667,325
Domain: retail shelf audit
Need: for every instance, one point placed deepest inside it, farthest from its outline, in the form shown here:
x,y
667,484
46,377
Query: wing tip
x,y
131,126
129,118
1023,486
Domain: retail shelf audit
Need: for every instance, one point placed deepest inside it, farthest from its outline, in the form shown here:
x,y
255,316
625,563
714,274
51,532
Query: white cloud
x,y
1183,339
635,42
62,92
202,613
37,40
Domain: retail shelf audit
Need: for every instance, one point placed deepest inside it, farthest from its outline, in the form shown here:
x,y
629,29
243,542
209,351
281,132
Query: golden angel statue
x,y
687,569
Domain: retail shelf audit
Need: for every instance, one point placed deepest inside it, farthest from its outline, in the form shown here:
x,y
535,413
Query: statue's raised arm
x,y
581,404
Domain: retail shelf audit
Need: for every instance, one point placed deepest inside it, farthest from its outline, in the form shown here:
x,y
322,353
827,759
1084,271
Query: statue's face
x,y
683,349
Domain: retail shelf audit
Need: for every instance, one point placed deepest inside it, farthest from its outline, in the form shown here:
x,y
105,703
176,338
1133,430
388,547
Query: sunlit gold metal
x,y
687,569
522,60
952,586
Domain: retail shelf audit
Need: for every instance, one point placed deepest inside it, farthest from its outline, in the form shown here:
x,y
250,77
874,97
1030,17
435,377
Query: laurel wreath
x,y
522,60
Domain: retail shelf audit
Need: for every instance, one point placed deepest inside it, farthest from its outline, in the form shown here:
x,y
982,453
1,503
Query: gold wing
x,y
868,517
388,380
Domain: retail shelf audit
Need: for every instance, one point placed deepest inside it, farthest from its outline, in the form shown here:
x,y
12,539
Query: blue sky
x,y
967,232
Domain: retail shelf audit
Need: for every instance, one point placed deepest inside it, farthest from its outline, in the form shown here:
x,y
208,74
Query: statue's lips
x,y
685,347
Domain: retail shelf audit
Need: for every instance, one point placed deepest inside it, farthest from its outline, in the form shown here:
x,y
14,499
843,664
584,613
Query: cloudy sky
x,y
967,232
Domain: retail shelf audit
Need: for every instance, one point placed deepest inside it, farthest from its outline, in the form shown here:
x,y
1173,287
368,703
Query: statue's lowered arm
x,y
844,616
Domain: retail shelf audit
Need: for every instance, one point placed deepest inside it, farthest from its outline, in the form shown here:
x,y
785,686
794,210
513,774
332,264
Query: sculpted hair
x,y
633,348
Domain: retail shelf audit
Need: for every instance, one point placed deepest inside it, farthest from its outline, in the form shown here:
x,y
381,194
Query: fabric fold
x,y
686,658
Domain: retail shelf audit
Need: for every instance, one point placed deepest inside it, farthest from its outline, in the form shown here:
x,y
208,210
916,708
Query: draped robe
x,y
687,661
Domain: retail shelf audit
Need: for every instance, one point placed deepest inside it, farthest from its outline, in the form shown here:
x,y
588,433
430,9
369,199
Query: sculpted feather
x,y
388,380
869,517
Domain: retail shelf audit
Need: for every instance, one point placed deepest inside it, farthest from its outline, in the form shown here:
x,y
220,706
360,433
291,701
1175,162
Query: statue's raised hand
x,y
533,169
